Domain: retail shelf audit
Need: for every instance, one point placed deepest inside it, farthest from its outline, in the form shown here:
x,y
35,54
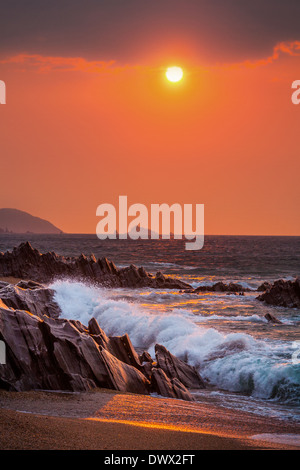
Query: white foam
x,y
235,362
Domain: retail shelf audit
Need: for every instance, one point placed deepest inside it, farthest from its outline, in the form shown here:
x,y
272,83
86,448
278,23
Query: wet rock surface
x,y
175,368
26,262
46,352
272,319
283,294
31,296
222,287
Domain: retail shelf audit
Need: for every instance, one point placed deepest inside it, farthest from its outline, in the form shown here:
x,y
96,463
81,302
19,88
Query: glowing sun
x,y
174,74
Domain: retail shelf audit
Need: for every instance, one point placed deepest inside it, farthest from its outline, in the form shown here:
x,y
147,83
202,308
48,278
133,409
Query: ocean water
x,y
249,364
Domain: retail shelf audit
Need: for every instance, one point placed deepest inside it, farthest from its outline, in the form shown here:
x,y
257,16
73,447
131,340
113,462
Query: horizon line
x,y
183,237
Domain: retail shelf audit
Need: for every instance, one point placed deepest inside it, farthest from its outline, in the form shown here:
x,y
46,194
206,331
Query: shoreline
x,y
106,419
82,417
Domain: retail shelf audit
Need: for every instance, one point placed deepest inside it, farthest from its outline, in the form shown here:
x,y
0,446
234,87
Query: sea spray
x,y
235,362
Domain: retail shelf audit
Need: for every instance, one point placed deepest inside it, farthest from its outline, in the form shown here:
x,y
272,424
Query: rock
x,y
122,348
264,286
125,377
3,284
222,287
30,296
272,319
175,368
29,285
94,329
162,385
26,262
145,357
53,354
119,346
283,294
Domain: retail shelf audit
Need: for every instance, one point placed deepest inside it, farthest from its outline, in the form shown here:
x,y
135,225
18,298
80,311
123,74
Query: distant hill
x,y
15,221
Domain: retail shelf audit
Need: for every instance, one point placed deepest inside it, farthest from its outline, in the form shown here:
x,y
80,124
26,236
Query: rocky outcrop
x,y
272,319
283,294
30,296
53,354
26,262
166,387
175,368
222,287
45,352
264,286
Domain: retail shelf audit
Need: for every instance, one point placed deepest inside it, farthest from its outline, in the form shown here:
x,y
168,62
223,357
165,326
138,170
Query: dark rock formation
x,y
30,296
264,286
145,357
175,368
283,294
272,319
119,346
28,263
51,353
169,388
222,287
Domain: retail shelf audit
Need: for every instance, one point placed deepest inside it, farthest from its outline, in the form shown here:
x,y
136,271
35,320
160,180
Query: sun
x,y
174,74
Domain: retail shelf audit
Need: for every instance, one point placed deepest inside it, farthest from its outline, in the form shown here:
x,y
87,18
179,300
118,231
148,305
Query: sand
x,y
112,420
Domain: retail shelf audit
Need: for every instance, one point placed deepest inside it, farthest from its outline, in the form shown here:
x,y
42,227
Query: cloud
x,y
217,30
291,48
45,64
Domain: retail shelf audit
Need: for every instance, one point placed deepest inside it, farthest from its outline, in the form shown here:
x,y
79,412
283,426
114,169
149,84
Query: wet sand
x,y
104,419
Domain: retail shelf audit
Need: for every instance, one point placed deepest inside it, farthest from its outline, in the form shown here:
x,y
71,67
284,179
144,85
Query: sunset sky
x,y
90,114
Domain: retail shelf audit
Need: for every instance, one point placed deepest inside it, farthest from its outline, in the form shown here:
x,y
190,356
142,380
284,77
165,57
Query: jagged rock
x,y
147,369
54,354
283,294
28,263
264,286
145,357
175,368
46,352
222,287
80,327
272,319
122,348
169,388
119,346
30,296
29,285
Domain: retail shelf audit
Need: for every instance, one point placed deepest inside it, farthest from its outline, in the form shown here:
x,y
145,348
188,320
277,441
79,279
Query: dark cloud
x,y
124,30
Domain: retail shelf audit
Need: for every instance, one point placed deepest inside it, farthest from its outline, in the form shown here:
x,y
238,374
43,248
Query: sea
x,y
248,363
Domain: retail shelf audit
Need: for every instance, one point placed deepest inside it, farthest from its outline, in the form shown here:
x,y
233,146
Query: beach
x,y
109,420
127,360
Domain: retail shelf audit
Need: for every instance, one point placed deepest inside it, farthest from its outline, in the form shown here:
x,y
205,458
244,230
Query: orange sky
x,y
75,134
